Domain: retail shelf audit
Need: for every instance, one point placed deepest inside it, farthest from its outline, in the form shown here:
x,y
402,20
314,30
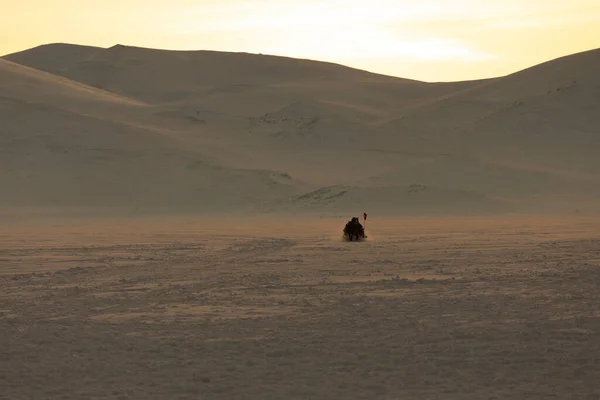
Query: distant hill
x,y
205,131
64,144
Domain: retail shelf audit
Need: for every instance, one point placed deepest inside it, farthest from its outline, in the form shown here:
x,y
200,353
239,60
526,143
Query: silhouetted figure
x,y
354,229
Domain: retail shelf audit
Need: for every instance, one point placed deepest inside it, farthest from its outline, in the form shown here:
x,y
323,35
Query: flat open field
x,y
192,309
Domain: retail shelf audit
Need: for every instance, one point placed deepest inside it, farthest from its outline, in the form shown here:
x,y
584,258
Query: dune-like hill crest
x,y
205,130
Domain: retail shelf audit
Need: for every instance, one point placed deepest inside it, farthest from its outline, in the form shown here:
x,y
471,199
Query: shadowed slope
x,y
66,144
28,84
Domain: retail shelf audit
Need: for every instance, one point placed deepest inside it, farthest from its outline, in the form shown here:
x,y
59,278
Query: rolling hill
x,y
205,131
64,144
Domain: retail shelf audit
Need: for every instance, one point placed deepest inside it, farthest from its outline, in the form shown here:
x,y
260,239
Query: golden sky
x,y
432,40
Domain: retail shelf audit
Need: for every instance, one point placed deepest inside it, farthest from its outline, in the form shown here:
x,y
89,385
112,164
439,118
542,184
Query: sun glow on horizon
x,y
428,40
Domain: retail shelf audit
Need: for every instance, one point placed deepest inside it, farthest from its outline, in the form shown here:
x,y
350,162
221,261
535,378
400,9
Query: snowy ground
x,y
426,309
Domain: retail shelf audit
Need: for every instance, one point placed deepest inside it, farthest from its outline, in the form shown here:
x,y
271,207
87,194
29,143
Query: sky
x,y
430,40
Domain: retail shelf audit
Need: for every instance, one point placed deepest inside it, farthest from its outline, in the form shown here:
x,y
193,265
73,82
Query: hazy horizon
x,y
427,41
